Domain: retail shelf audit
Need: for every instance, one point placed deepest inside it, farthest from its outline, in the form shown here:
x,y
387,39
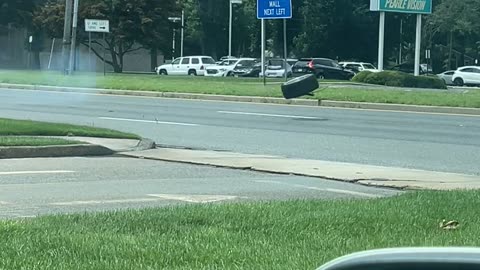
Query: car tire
x,y
230,74
162,72
320,76
300,86
458,82
192,72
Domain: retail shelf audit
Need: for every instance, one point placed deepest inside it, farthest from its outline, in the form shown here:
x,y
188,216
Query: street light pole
x,y
67,30
74,38
230,25
182,33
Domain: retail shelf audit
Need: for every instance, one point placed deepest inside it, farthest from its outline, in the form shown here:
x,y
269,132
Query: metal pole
x,y
418,43
51,54
67,31
182,32
263,52
173,44
285,53
74,37
381,41
89,51
230,30
401,42
104,55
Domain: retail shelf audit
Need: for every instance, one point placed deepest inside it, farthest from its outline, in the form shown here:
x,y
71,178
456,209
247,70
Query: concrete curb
x,y
54,151
250,99
397,107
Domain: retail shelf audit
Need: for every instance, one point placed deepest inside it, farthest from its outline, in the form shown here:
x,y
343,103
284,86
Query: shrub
x,y
400,79
360,77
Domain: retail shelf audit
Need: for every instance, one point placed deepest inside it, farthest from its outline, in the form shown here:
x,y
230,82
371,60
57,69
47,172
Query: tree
x,y
134,25
17,12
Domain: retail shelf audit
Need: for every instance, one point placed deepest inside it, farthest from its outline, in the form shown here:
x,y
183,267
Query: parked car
x,y
469,75
358,66
322,68
409,67
226,67
447,76
220,68
276,68
190,65
223,58
248,68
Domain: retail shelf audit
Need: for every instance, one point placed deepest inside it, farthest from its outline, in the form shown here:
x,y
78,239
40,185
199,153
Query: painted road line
x,y
332,190
149,121
34,172
194,198
96,202
269,115
4,203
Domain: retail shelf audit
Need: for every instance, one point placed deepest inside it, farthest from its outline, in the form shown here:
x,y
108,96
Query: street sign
x,y
274,9
100,26
403,6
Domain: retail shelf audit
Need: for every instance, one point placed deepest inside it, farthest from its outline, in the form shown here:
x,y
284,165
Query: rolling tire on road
x,y
300,86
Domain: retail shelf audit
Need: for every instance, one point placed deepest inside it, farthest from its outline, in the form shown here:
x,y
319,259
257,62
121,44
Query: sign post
x,y
98,26
273,9
418,7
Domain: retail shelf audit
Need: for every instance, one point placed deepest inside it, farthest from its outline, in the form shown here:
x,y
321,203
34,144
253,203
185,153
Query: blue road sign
x,y
274,9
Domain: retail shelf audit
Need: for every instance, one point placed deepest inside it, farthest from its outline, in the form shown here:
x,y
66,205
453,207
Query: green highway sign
x,y
405,6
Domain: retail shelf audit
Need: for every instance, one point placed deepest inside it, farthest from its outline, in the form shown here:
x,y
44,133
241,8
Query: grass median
x,y
239,87
274,235
10,141
10,127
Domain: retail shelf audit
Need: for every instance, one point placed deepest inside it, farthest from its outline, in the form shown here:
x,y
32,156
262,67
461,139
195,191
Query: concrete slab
x,y
349,172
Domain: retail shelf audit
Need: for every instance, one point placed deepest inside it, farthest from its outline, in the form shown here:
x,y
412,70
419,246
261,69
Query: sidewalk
x,y
399,178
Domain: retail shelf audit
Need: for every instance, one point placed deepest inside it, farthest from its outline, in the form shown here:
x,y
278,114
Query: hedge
x,y
399,79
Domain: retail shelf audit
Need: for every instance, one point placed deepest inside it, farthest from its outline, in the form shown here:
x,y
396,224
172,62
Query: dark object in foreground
x,y
300,86
409,259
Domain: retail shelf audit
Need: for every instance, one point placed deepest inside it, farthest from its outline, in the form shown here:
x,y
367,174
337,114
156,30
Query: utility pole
x,y
74,38
67,31
182,33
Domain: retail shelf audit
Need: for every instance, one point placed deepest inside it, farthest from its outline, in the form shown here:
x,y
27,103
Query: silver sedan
x,y
447,76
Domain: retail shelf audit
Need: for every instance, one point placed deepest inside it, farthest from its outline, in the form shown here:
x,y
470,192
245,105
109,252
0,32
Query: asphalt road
x,y
447,143
31,187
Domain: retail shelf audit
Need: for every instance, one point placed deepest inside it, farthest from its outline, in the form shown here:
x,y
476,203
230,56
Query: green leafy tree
x,y
134,25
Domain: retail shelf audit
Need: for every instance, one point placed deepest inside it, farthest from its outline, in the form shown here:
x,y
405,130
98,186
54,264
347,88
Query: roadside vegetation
x,y
10,141
10,127
242,87
270,235
399,79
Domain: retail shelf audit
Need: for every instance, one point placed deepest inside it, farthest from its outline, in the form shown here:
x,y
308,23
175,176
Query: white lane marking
x,y
4,203
194,198
34,172
149,121
94,202
333,190
269,115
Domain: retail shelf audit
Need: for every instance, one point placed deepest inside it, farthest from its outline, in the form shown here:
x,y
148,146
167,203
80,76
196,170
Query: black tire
x,y
300,86
458,82
192,72
320,76
230,74
163,72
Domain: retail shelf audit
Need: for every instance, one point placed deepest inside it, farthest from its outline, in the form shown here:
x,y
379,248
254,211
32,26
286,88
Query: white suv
x,y
469,75
191,65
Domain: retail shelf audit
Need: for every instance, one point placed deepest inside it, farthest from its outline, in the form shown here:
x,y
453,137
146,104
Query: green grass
x,y
276,235
33,141
10,127
237,86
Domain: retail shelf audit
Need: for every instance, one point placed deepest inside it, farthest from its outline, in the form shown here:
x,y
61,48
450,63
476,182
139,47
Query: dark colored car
x,y
323,68
251,68
410,68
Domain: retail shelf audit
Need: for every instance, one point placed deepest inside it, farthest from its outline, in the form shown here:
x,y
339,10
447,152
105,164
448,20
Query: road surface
x,y
449,143
31,187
